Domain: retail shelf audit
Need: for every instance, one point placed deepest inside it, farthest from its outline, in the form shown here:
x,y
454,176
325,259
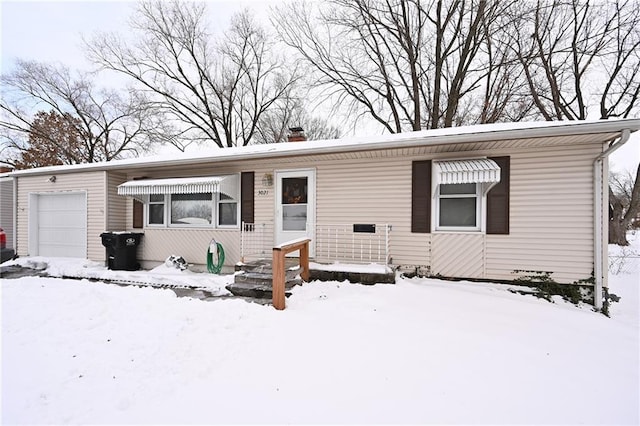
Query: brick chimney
x,y
5,169
296,134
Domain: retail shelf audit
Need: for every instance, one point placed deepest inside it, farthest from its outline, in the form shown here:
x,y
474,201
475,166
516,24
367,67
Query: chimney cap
x,y
296,129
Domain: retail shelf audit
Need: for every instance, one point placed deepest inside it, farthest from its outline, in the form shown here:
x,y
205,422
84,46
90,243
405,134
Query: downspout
x,y
15,215
601,230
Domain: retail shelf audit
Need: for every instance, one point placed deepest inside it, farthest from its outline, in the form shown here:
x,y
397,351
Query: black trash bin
x,y
121,250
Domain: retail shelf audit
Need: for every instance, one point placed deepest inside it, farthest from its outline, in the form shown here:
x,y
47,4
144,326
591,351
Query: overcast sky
x,y
52,31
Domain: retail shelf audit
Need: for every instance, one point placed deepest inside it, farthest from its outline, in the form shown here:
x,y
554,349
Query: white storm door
x,y
295,206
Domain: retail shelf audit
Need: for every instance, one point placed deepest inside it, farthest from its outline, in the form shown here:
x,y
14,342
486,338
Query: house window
x,y
156,209
458,207
446,193
227,210
191,209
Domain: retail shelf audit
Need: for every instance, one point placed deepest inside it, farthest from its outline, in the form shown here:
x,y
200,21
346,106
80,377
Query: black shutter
x,y
421,196
247,196
138,209
498,200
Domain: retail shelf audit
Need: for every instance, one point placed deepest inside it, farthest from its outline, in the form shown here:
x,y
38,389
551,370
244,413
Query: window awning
x,y
225,184
481,170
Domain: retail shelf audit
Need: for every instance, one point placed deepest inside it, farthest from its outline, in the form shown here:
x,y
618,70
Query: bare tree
x,y
110,125
406,64
213,90
580,57
624,203
577,55
275,124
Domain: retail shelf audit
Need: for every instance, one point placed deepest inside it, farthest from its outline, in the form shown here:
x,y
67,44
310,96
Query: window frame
x,y
218,200
169,199
215,211
147,211
480,210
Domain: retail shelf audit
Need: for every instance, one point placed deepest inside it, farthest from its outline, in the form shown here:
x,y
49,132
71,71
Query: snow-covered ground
x,y
160,276
420,351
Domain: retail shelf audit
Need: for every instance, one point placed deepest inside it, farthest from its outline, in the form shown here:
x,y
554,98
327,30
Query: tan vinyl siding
x,y
458,255
92,182
192,244
117,205
551,200
6,209
264,202
551,213
551,216
372,191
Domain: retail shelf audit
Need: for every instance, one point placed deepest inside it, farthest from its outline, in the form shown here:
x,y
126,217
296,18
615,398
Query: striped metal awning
x,y
227,185
481,170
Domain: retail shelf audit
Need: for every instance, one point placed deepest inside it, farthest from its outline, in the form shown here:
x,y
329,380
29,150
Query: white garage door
x,y
60,224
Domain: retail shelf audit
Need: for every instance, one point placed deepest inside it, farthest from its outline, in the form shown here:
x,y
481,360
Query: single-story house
x,y
481,202
6,209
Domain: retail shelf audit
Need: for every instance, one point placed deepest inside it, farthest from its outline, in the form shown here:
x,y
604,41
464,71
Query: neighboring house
x,y
478,202
7,207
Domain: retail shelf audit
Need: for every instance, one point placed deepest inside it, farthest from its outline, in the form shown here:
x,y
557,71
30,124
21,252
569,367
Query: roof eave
x,y
406,140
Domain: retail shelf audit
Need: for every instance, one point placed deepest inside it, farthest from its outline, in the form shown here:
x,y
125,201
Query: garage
x,y
58,224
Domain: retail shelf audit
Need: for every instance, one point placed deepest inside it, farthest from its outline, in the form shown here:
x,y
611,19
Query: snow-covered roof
x,y
446,136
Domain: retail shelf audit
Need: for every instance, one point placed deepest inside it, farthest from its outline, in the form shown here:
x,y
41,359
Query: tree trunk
x,y
617,223
618,232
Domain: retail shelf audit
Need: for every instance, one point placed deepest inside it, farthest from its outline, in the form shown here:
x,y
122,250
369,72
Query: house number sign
x,y
263,192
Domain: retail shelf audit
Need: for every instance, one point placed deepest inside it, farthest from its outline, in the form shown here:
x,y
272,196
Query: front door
x,y
295,206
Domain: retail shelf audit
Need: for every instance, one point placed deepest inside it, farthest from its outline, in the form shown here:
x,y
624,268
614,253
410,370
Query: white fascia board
x,y
435,137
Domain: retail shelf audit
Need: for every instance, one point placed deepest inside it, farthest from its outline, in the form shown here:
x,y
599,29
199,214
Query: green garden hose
x,y
215,267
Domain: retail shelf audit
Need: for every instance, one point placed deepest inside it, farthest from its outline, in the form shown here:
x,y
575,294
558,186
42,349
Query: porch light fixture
x,y
267,180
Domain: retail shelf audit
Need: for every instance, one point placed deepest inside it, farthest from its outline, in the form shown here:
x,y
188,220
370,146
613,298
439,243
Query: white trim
x,y
280,236
32,224
15,216
480,198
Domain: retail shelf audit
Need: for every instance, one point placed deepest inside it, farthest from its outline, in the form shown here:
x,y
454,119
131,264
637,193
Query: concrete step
x,y
264,277
264,267
258,290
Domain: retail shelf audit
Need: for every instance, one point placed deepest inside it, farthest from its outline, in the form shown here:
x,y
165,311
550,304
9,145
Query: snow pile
x,y
158,277
371,268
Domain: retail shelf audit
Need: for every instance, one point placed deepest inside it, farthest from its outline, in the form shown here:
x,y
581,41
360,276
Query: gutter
x,y
601,230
